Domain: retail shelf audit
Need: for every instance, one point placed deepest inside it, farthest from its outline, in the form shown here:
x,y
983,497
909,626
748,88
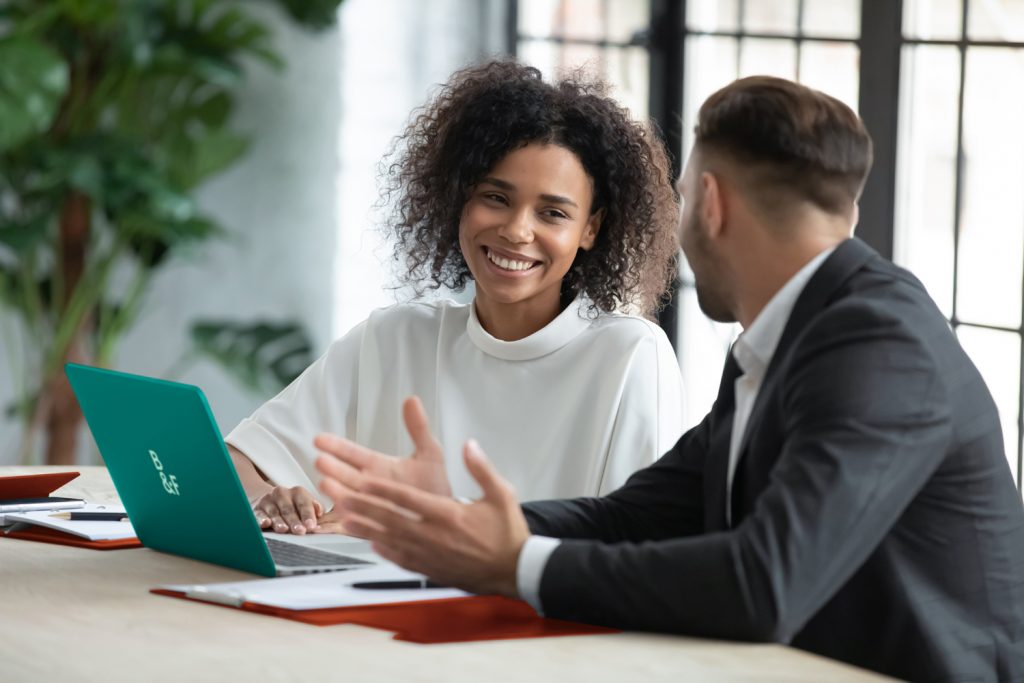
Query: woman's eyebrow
x,y
553,198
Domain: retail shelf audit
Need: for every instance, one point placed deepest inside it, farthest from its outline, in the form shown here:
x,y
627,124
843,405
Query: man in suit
x,y
848,493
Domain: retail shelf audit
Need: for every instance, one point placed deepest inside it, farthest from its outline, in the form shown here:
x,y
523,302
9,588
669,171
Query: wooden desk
x,y
71,615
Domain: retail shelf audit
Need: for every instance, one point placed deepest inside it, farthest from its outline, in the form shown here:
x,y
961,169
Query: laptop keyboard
x,y
293,555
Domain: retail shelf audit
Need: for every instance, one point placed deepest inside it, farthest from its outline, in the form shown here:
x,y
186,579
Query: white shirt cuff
x,y
530,568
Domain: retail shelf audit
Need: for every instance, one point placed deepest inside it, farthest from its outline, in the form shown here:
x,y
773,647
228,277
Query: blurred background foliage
x,y
112,113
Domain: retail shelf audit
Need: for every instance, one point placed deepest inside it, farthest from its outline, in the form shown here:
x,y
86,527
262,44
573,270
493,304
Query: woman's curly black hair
x,y
484,112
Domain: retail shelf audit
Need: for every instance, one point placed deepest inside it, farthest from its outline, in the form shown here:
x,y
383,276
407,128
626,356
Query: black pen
x,y
93,516
394,585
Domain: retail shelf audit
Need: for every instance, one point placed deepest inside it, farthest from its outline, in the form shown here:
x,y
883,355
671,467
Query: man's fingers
x,y
330,466
363,527
334,490
400,556
385,543
418,426
347,451
426,505
332,528
481,469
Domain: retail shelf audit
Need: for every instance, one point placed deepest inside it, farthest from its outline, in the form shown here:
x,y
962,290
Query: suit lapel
x,y
849,257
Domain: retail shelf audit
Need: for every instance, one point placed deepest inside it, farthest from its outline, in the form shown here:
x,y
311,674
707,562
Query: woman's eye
x,y
491,197
554,213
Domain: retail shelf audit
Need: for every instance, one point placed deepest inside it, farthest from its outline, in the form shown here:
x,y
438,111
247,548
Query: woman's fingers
x,y
262,519
269,507
305,507
286,503
287,510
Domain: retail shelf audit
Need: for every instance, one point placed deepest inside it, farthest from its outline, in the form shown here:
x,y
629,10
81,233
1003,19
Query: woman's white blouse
x,y
571,410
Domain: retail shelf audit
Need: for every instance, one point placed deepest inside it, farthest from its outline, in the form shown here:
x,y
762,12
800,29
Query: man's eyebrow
x,y
505,185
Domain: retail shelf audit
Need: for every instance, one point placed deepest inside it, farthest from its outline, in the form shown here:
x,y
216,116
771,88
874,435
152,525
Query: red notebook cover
x,y
46,535
41,486
455,620
33,485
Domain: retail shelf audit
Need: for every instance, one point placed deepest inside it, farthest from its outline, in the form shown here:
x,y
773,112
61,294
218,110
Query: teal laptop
x,y
176,480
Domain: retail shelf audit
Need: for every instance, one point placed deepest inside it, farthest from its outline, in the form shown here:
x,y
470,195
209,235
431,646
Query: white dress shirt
x,y
753,351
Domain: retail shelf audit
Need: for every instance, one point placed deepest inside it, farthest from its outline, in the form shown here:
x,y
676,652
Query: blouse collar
x,y
553,336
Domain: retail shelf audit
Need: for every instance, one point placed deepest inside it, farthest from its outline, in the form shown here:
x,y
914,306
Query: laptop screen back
x,y
170,467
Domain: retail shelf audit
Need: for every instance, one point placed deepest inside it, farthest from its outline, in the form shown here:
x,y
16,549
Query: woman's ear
x,y
590,232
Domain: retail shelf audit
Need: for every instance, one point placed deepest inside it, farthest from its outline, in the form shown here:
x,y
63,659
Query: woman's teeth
x,y
508,264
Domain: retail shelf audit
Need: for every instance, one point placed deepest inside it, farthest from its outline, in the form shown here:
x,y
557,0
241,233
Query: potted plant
x,y
112,113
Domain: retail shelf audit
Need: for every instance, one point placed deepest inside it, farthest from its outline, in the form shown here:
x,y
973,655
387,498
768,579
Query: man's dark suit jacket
x,y
875,519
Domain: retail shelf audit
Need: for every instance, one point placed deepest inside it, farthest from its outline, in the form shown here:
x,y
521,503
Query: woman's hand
x,y
287,509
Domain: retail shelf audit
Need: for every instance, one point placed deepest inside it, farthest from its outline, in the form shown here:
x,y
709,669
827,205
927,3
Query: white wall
x,y
298,207
394,53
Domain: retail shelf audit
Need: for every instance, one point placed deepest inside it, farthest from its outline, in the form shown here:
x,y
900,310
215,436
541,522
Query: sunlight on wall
x,y
394,52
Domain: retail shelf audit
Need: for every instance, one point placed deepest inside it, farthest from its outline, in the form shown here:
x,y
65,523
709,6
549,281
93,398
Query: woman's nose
x,y
518,229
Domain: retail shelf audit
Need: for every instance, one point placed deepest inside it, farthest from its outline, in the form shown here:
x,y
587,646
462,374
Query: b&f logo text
x,y
169,481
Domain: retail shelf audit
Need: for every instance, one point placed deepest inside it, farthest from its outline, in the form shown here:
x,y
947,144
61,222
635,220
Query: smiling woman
x,y
520,232
559,207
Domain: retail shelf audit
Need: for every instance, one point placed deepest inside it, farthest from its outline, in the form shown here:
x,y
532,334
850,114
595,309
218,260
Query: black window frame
x,y
881,43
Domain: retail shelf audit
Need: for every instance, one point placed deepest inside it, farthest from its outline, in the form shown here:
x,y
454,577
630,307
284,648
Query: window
x,y
934,80
811,41
606,36
960,209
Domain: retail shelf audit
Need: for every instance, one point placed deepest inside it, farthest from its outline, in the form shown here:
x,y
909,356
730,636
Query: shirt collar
x,y
756,345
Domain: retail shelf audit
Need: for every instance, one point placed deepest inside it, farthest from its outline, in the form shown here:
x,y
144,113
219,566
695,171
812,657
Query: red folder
x,y
41,486
453,620
33,485
45,535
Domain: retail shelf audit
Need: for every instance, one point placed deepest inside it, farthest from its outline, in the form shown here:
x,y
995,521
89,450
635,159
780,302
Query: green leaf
x,y
261,355
214,110
93,13
33,81
315,14
86,174
213,153
20,237
34,22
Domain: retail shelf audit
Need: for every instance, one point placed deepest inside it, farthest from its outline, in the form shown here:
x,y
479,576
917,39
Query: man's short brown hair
x,y
788,142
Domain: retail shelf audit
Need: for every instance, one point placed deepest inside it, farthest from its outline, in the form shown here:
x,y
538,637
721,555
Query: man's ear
x,y
712,205
590,232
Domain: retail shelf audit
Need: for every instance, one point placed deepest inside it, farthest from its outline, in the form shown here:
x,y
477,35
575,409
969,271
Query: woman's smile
x,y
511,264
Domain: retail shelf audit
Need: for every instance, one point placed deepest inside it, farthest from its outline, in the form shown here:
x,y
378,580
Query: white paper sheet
x,y
314,591
94,531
